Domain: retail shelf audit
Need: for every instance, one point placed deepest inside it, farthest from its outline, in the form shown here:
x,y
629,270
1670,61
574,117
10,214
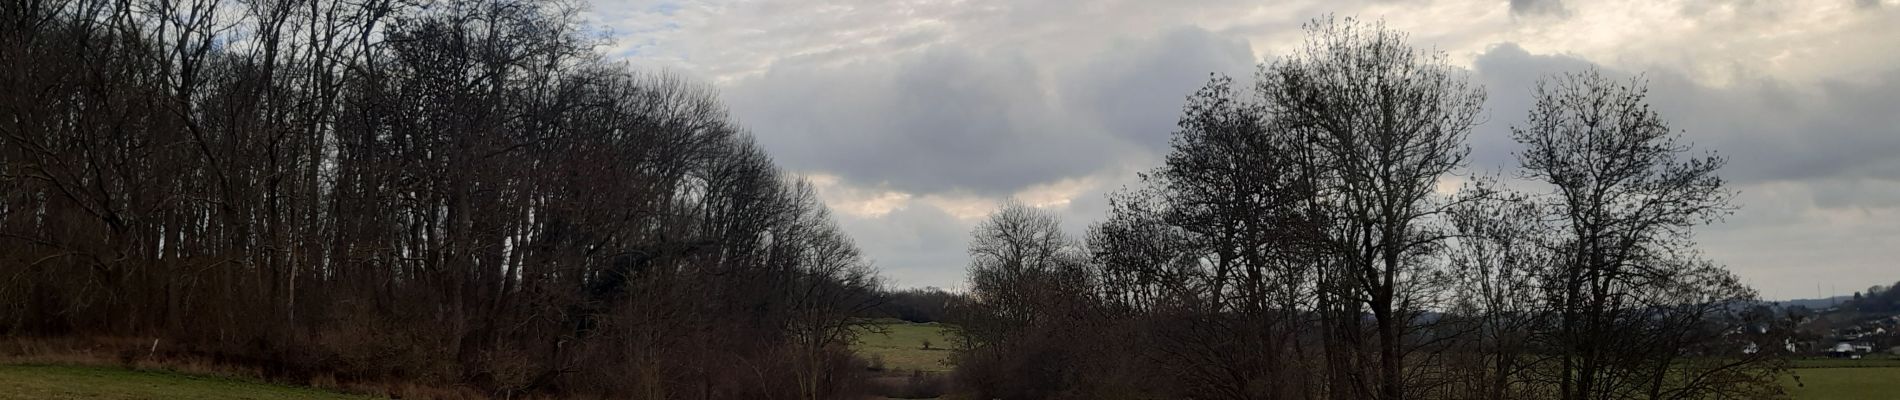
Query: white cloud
x,y
964,207
1056,194
856,201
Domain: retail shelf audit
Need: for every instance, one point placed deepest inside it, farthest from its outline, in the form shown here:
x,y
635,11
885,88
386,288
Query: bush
x,y
918,385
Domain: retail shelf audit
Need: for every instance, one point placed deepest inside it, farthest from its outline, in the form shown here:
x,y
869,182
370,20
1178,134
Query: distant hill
x,y
1816,304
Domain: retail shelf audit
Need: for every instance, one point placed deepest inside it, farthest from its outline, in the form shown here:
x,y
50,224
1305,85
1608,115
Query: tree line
x,y
1312,235
457,193
1877,299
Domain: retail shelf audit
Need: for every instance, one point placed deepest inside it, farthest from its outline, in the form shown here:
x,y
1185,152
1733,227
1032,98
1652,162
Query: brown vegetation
x,y
456,194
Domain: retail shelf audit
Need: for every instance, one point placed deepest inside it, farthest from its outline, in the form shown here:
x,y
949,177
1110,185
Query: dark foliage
x,y
915,305
1877,299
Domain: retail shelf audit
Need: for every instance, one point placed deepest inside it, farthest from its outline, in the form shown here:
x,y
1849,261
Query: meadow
x,y
1834,379
23,382
901,346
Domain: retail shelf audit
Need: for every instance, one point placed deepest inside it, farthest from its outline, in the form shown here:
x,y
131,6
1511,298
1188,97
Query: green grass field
x,y
1838,379
1852,383
24,382
1844,363
901,347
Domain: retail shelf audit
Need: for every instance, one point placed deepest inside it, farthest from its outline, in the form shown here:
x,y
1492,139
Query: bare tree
x,y
1629,290
1021,264
1501,257
1215,248
1383,122
1031,310
1293,220
461,194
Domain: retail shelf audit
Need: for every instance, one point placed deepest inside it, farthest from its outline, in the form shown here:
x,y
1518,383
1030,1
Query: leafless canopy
x,y
1303,240
452,193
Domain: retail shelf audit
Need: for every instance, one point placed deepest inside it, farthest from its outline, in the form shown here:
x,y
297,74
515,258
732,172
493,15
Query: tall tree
x,y
1635,303
1031,301
1218,241
1501,259
1021,267
1383,122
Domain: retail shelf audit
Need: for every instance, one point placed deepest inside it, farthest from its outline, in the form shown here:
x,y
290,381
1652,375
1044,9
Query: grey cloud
x,y
984,121
989,97
1771,130
953,119
1509,75
913,247
1538,8
1136,90
945,118
1776,131
987,121
1855,193
1814,163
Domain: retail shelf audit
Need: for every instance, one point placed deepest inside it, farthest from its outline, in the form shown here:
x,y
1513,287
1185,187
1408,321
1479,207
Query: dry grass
x,y
66,381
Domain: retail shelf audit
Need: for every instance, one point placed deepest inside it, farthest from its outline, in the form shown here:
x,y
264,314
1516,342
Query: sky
x,y
916,118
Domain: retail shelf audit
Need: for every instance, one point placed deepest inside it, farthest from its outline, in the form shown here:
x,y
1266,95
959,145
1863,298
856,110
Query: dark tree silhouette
x,y
1025,324
453,193
1384,122
1220,243
1639,313
1301,241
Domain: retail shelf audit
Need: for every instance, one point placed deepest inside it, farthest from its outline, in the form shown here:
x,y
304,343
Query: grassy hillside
x,y
901,347
24,382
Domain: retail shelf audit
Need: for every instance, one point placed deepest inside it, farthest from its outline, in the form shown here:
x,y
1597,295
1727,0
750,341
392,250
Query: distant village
x,y
1864,325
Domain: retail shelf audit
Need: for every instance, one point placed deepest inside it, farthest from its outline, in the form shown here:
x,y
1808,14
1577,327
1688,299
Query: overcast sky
x,y
915,118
